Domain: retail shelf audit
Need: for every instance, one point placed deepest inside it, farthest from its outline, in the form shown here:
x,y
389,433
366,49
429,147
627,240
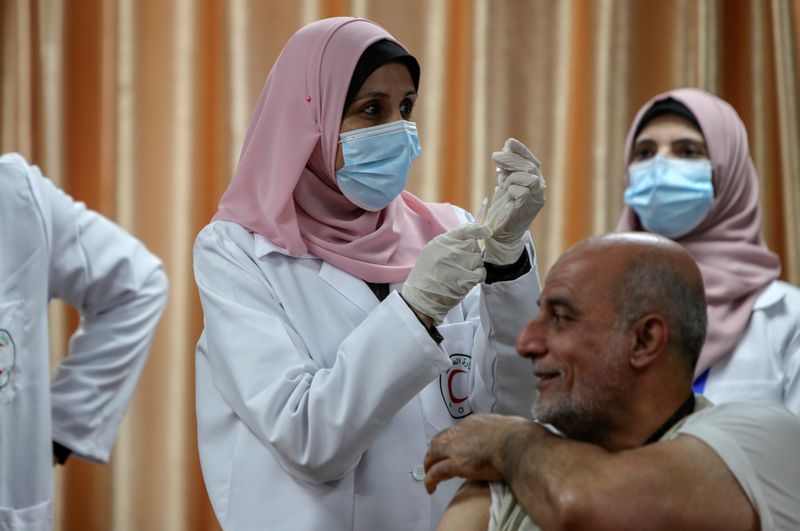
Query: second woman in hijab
x,y
691,179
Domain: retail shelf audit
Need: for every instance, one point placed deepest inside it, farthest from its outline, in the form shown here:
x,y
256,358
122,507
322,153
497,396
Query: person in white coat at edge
x,y
691,179
54,247
346,320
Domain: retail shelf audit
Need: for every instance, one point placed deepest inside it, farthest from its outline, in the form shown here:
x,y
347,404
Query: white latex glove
x,y
518,197
449,266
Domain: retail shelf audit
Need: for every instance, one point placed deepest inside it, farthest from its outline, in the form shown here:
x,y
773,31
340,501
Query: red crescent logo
x,y
455,399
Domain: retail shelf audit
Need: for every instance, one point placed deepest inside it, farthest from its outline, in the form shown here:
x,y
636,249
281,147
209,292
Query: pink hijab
x,y
727,245
285,187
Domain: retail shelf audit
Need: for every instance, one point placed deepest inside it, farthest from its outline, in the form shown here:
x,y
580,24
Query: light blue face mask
x,y
671,196
376,163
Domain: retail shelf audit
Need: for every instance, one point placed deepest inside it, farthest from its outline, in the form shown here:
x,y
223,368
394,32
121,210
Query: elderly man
x,y
622,321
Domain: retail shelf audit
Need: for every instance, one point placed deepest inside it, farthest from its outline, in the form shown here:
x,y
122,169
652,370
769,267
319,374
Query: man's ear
x,y
649,339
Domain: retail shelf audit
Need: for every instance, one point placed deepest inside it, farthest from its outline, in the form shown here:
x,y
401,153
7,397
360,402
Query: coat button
x,y
418,473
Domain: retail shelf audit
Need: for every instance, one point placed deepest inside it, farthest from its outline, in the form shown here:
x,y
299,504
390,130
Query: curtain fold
x,y
139,109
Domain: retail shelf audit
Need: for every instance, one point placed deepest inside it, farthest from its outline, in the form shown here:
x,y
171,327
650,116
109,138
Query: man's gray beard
x,y
587,415
587,422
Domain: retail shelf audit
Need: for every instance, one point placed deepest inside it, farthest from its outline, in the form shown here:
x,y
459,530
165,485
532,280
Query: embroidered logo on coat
x,y
454,385
8,357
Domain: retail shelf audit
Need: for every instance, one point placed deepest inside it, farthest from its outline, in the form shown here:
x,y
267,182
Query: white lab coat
x,y
765,365
53,247
316,403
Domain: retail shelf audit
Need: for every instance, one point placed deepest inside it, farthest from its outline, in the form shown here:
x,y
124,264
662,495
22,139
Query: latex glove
x,y
449,266
518,197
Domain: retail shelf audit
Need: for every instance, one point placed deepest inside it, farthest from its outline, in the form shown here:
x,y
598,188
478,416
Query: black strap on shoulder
x,y
686,409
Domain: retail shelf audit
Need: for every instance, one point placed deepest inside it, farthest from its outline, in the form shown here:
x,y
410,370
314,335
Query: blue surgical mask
x,y
671,196
376,163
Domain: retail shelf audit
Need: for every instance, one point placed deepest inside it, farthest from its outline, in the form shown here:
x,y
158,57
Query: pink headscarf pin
x,y
308,99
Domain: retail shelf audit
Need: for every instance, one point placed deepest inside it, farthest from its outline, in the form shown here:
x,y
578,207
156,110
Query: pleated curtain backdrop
x,y
139,108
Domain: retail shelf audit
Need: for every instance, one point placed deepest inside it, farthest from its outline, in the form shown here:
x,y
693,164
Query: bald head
x,y
650,274
641,248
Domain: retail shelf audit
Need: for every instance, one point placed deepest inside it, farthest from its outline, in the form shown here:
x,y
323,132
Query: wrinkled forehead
x,y
585,273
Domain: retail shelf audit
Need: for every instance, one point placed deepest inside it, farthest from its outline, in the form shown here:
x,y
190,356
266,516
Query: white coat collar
x,y
772,294
351,287
262,248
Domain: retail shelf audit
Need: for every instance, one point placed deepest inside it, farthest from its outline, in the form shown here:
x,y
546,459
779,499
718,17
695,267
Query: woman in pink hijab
x,y
346,320
691,179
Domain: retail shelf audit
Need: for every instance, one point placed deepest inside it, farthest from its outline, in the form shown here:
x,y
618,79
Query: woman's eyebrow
x,y
689,139
371,94
379,94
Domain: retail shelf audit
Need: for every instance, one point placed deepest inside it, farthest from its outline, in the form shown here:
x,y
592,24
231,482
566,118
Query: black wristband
x,y
434,333
432,330
504,273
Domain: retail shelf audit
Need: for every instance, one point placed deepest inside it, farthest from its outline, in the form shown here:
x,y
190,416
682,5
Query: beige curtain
x,y
139,107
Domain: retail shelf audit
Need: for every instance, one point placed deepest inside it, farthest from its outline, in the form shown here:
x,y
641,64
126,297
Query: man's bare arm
x,y
468,510
563,484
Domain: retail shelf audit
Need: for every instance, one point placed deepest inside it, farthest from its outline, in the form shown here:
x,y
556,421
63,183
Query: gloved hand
x,y
517,199
449,266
